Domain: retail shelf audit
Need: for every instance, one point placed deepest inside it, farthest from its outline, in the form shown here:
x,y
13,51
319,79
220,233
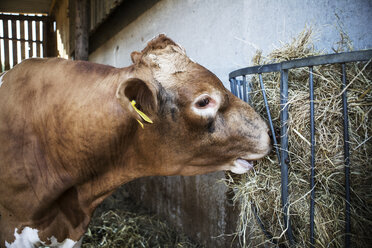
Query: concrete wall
x,y
223,35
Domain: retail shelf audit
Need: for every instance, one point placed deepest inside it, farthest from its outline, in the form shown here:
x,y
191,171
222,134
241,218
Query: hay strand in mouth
x,y
262,187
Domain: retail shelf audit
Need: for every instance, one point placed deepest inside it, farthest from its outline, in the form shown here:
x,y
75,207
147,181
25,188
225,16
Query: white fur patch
x,y
67,243
207,111
153,57
169,63
29,238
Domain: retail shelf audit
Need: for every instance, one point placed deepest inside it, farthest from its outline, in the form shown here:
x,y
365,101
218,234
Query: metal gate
x,y
241,89
22,37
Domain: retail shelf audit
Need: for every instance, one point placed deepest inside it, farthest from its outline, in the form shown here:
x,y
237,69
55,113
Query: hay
x,y
120,223
262,186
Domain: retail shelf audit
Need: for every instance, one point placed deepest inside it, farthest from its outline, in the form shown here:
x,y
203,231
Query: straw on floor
x,y
121,223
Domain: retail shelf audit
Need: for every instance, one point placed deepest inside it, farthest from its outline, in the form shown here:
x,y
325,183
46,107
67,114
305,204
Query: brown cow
x,y
70,136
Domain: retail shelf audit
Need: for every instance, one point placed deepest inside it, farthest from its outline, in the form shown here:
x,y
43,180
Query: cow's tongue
x,y
244,163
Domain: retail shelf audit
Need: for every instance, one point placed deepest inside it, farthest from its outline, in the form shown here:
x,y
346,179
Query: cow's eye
x,y
203,102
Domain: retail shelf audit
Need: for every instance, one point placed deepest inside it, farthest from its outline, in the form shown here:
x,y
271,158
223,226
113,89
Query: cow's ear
x,y
143,93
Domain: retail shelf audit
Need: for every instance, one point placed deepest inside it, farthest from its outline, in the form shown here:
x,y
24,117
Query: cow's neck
x,y
115,159
111,160
127,162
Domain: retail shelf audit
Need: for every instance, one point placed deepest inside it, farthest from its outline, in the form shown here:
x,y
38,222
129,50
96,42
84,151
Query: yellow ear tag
x,y
141,124
143,115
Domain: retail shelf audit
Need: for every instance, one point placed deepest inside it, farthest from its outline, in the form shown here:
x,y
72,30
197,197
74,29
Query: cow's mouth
x,y
245,163
242,166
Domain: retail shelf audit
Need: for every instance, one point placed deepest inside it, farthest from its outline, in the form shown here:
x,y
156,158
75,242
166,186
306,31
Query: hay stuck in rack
x,y
261,188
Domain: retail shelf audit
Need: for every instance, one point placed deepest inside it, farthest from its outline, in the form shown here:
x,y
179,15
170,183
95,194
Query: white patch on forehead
x,y
167,62
170,62
1,78
166,65
153,57
29,238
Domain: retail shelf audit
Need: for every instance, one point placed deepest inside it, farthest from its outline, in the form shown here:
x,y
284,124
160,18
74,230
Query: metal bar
x,y
240,89
245,88
232,85
269,116
249,84
306,62
14,35
256,69
6,45
347,158
284,159
22,38
312,158
329,59
236,87
259,221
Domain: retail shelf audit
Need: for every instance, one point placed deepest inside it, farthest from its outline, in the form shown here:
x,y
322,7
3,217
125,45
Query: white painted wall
x,y
224,34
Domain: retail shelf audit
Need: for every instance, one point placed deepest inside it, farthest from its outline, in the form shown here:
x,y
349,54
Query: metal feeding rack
x,y
241,88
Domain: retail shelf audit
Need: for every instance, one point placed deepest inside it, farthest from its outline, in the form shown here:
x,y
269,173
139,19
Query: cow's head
x,y
198,125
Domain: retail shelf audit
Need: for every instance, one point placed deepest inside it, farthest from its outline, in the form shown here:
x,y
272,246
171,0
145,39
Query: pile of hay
x,y
120,223
262,187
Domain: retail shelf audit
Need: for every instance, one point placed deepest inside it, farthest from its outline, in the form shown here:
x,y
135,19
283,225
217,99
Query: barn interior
x,y
195,211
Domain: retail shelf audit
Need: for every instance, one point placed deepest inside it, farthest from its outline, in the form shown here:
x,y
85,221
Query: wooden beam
x,y
25,6
45,38
82,29
51,40
14,43
37,32
51,8
23,17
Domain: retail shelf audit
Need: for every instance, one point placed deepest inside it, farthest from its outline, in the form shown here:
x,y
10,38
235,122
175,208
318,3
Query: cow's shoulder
x,y
74,66
85,67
